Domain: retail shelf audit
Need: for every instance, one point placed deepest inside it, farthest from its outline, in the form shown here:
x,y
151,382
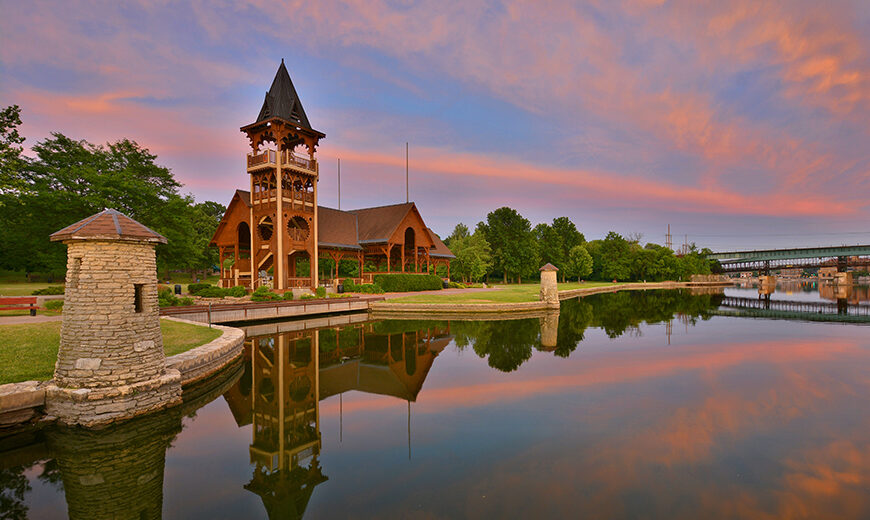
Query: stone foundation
x,y
94,407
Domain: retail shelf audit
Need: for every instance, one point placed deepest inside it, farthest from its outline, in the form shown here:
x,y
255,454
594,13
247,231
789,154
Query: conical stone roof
x,y
108,224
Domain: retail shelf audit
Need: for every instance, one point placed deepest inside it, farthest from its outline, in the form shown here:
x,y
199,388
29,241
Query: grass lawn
x,y
29,352
24,288
527,292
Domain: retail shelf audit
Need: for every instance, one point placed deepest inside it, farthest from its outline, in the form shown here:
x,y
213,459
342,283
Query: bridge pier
x,y
766,284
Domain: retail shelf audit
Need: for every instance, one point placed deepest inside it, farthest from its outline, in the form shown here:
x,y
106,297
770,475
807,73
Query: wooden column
x,y
280,229
315,274
403,257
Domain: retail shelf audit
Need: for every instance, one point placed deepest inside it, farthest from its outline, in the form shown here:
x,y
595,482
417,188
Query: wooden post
x,y
280,229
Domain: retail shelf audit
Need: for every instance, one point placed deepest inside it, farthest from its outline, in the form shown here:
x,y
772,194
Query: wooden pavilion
x,y
278,222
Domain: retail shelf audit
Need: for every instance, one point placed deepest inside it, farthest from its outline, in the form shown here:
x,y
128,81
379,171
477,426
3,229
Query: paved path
x,y
20,320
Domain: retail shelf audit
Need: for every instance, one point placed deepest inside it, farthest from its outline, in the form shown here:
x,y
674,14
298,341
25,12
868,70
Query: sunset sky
x,y
742,124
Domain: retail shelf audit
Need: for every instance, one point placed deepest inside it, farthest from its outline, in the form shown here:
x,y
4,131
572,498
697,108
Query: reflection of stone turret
x,y
549,330
118,472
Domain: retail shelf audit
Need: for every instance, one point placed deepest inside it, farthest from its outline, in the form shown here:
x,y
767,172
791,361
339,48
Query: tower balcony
x,y
259,161
289,159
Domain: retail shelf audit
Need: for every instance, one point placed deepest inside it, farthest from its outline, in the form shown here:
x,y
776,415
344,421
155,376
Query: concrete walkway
x,y
23,320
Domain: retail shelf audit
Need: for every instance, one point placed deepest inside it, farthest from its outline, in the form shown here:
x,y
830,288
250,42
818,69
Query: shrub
x,y
320,292
187,300
198,288
54,289
402,282
288,295
334,295
264,294
54,305
211,292
165,298
367,288
307,296
455,285
237,291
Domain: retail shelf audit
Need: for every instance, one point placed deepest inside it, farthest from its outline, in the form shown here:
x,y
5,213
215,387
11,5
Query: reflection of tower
x,y
116,472
286,424
669,329
549,330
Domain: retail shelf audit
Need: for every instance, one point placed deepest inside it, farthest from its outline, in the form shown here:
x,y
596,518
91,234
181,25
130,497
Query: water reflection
x,y
544,415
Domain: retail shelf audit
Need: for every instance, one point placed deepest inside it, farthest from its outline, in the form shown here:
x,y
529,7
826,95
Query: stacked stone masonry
x,y
104,340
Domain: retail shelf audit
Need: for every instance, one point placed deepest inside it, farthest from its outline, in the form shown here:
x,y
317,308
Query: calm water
x,y
628,405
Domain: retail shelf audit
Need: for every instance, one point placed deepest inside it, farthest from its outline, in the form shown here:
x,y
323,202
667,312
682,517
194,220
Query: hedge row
x,y
366,288
403,282
207,290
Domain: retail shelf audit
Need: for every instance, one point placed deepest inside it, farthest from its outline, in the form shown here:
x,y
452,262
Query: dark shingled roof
x,y
108,224
378,224
350,229
282,101
549,267
440,250
337,228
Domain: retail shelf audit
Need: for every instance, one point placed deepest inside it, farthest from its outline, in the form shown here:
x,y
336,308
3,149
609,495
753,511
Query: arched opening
x,y
410,248
297,228
265,229
244,236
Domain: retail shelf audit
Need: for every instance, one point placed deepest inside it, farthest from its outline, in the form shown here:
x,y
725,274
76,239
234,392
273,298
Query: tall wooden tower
x,y
284,176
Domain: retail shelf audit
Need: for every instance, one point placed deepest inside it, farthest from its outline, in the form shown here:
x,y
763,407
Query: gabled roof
x,y
355,228
379,223
337,228
108,224
440,250
283,102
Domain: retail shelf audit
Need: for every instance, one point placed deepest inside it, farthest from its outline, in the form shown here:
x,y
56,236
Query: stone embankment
x,y
385,309
22,402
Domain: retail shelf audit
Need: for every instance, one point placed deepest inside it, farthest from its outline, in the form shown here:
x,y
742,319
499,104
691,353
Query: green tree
x,y
615,257
569,236
579,264
514,249
459,232
70,180
551,246
473,257
11,160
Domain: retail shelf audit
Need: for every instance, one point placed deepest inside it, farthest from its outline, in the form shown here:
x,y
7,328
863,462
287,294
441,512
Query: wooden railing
x,y
299,282
260,159
290,158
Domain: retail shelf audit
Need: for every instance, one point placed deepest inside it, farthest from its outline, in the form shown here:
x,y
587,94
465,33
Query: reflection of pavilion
x,y
290,372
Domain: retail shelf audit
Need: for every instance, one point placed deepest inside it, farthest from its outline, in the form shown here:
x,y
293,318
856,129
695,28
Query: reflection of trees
x,y
505,344
574,317
13,486
620,311
508,344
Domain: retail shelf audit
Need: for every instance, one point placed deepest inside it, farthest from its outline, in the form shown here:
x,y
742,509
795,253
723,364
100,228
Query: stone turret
x,y
111,364
549,291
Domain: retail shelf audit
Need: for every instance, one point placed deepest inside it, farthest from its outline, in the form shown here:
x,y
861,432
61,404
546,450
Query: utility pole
x,y
339,183
407,192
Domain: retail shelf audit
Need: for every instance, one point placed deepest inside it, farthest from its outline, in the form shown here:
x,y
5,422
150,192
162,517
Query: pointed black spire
x,y
283,101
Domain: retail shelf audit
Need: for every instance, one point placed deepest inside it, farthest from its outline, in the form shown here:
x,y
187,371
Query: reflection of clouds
x,y
756,430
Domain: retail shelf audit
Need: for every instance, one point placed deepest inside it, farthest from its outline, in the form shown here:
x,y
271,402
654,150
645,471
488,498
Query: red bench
x,y
19,302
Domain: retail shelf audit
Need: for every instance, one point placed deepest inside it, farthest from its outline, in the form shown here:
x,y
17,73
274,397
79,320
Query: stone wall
x,y
203,361
104,341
